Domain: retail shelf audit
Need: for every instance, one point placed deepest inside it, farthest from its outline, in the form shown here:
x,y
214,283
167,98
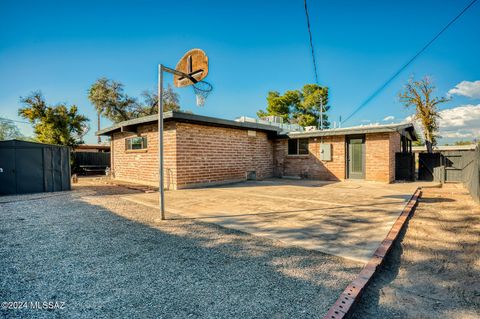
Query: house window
x,y
298,146
136,143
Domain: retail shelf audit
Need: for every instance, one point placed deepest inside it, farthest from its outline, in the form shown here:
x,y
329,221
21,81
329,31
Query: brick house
x,y
201,151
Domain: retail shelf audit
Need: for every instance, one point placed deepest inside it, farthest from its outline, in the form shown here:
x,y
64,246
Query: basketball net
x,y
200,100
202,89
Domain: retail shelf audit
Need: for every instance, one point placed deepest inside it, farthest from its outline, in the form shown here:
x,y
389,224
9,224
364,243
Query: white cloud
x,y
466,88
389,118
461,122
459,135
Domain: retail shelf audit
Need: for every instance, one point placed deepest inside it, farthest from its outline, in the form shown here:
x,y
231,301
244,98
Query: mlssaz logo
x,y
50,305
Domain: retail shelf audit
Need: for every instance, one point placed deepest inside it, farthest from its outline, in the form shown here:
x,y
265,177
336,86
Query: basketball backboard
x,y
193,63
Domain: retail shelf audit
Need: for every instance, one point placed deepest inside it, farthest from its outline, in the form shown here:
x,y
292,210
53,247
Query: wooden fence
x,y
452,166
82,162
471,173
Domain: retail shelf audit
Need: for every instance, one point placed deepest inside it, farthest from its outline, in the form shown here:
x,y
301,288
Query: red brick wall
x,y
380,151
208,154
310,166
194,155
141,166
198,155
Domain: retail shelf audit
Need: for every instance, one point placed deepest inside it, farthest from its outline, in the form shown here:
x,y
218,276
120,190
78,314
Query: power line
x,y
9,120
314,63
384,85
311,42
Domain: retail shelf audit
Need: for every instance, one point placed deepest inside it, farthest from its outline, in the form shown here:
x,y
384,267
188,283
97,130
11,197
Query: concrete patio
x,y
347,219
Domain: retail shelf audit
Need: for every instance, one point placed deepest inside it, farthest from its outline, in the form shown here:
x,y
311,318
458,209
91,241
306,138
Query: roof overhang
x,y
406,129
441,148
132,125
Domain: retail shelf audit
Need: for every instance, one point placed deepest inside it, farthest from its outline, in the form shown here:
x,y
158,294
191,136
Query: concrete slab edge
x,y
344,305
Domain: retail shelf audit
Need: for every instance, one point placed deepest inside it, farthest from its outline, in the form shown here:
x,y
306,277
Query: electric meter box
x,y
325,152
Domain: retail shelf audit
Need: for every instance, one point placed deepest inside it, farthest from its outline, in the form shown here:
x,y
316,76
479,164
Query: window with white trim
x,y
136,143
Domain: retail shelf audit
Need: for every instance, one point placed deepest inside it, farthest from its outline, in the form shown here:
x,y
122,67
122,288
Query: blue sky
x,y
62,47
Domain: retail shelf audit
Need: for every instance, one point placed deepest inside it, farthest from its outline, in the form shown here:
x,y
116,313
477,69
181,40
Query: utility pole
x,y
320,124
98,122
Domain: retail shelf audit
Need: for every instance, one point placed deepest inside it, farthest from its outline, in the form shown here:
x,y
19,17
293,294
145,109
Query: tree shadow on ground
x,y
431,272
298,211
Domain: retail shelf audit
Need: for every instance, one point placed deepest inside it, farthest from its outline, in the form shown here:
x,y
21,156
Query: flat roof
x,y
469,147
363,129
21,143
92,146
213,121
189,118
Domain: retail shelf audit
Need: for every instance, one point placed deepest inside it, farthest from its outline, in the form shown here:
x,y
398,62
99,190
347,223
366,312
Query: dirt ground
x,y
434,272
104,257
346,219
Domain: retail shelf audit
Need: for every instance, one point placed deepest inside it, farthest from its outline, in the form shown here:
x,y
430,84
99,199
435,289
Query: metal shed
x,y
28,167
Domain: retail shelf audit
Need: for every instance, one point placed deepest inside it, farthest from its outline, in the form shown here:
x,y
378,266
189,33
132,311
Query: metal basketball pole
x,y
161,191
161,198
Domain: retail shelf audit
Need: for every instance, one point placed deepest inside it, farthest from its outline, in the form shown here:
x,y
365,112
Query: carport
x,y
346,219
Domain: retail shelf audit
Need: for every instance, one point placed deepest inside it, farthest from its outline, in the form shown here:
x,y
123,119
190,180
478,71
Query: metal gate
x,y
430,167
448,166
454,166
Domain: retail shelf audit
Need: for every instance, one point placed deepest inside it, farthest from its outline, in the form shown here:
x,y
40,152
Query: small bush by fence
x,y
471,173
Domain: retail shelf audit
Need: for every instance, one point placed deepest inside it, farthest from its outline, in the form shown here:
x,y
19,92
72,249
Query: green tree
x,y
307,113
9,131
418,94
59,124
464,142
150,102
299,106
109,100
281,105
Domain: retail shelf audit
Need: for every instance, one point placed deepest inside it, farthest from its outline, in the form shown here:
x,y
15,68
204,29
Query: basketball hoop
x,y
202,89
190,70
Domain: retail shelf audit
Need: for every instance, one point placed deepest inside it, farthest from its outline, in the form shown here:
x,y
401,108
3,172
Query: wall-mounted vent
x,y
251,175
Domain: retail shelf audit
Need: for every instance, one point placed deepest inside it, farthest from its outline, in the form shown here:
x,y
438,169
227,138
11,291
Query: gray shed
x,y
28,167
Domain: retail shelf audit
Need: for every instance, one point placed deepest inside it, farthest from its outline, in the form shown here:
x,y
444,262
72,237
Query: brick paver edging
x,y
342,308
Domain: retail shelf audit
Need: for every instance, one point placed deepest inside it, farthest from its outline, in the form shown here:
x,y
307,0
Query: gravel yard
x,y
105,257
434,272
